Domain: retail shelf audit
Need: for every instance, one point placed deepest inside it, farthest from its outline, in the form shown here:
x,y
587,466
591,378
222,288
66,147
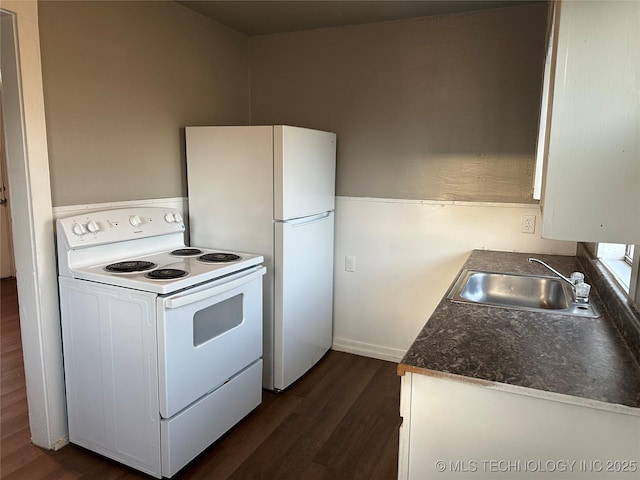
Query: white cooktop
x,y
197,271
89,242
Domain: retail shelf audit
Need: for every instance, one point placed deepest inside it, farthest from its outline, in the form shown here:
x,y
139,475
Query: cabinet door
x,y
458,430
592,182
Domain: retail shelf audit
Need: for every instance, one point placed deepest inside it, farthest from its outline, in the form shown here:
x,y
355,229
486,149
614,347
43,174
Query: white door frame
x,y
30,196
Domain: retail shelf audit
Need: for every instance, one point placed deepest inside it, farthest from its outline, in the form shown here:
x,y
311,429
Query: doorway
x,y
7,261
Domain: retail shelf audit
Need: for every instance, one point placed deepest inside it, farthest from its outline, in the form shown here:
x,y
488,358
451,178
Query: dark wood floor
x,y
338,422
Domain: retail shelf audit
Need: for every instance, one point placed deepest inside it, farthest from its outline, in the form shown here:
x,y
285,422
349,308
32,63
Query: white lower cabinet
x,y
464,429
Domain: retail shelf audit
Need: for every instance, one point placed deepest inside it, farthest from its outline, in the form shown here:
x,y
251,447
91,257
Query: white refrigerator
x,y
270,190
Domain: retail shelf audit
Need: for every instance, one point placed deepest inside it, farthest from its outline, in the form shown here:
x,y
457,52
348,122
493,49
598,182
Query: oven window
x,y
217,319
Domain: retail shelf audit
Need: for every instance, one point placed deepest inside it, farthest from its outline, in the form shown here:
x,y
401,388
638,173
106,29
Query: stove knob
x,y
92,226
177,218
135,220
169,217
79,229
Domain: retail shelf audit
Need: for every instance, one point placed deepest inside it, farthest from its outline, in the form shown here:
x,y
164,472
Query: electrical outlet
x,y
350,264
528,224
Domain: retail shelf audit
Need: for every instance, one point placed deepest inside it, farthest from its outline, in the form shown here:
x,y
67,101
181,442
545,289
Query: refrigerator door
x,y
303,327
304,172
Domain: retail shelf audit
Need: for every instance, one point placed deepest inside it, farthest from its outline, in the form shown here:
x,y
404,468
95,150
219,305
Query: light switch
x,y
350,264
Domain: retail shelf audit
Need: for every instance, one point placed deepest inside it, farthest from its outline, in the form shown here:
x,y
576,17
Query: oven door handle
x,y
182,300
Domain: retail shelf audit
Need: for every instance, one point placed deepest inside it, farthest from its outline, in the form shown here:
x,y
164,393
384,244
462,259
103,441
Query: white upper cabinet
x,y
590,124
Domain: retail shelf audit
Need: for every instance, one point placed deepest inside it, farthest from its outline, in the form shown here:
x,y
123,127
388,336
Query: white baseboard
x,y
367,350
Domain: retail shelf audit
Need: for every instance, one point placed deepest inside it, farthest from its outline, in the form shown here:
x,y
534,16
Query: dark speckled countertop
x,y
579,357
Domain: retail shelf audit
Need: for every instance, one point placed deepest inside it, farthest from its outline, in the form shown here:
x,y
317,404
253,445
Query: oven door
x,y
206,335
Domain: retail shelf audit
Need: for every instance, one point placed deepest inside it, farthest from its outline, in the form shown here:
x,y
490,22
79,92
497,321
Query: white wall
x,y
407,254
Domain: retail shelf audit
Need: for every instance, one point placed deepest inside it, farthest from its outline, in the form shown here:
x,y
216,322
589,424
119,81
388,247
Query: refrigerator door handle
x,y
296,222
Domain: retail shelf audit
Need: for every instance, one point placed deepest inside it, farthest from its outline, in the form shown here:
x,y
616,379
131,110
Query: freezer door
x,y
304,172
303,320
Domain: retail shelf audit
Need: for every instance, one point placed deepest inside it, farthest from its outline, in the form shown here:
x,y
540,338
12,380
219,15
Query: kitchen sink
x,y
523,292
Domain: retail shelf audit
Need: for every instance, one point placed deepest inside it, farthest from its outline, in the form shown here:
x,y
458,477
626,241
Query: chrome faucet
x,y
579,287
531,260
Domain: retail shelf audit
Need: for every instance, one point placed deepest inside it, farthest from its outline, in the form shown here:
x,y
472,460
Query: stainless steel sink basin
x,y
524,292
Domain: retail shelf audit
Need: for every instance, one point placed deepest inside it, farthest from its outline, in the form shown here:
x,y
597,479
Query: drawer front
x,y
191,431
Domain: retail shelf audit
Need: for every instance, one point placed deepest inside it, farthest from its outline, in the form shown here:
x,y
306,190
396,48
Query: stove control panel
x,y
119,225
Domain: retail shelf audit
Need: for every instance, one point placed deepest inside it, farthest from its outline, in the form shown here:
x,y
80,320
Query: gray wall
x,y
121,80
441,108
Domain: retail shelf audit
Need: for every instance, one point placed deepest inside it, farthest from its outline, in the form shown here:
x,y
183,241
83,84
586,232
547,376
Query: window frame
x,y
623,262
634,286
629,253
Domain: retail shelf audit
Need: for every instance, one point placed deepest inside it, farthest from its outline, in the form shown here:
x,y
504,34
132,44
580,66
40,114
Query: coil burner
x,y
186,252
219,257
166,274
130,266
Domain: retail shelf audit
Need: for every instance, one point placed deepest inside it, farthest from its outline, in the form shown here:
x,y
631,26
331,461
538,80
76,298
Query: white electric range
x,y
162,342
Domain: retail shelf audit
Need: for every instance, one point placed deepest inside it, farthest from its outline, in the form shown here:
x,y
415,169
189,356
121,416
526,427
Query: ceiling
x,y
266,16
